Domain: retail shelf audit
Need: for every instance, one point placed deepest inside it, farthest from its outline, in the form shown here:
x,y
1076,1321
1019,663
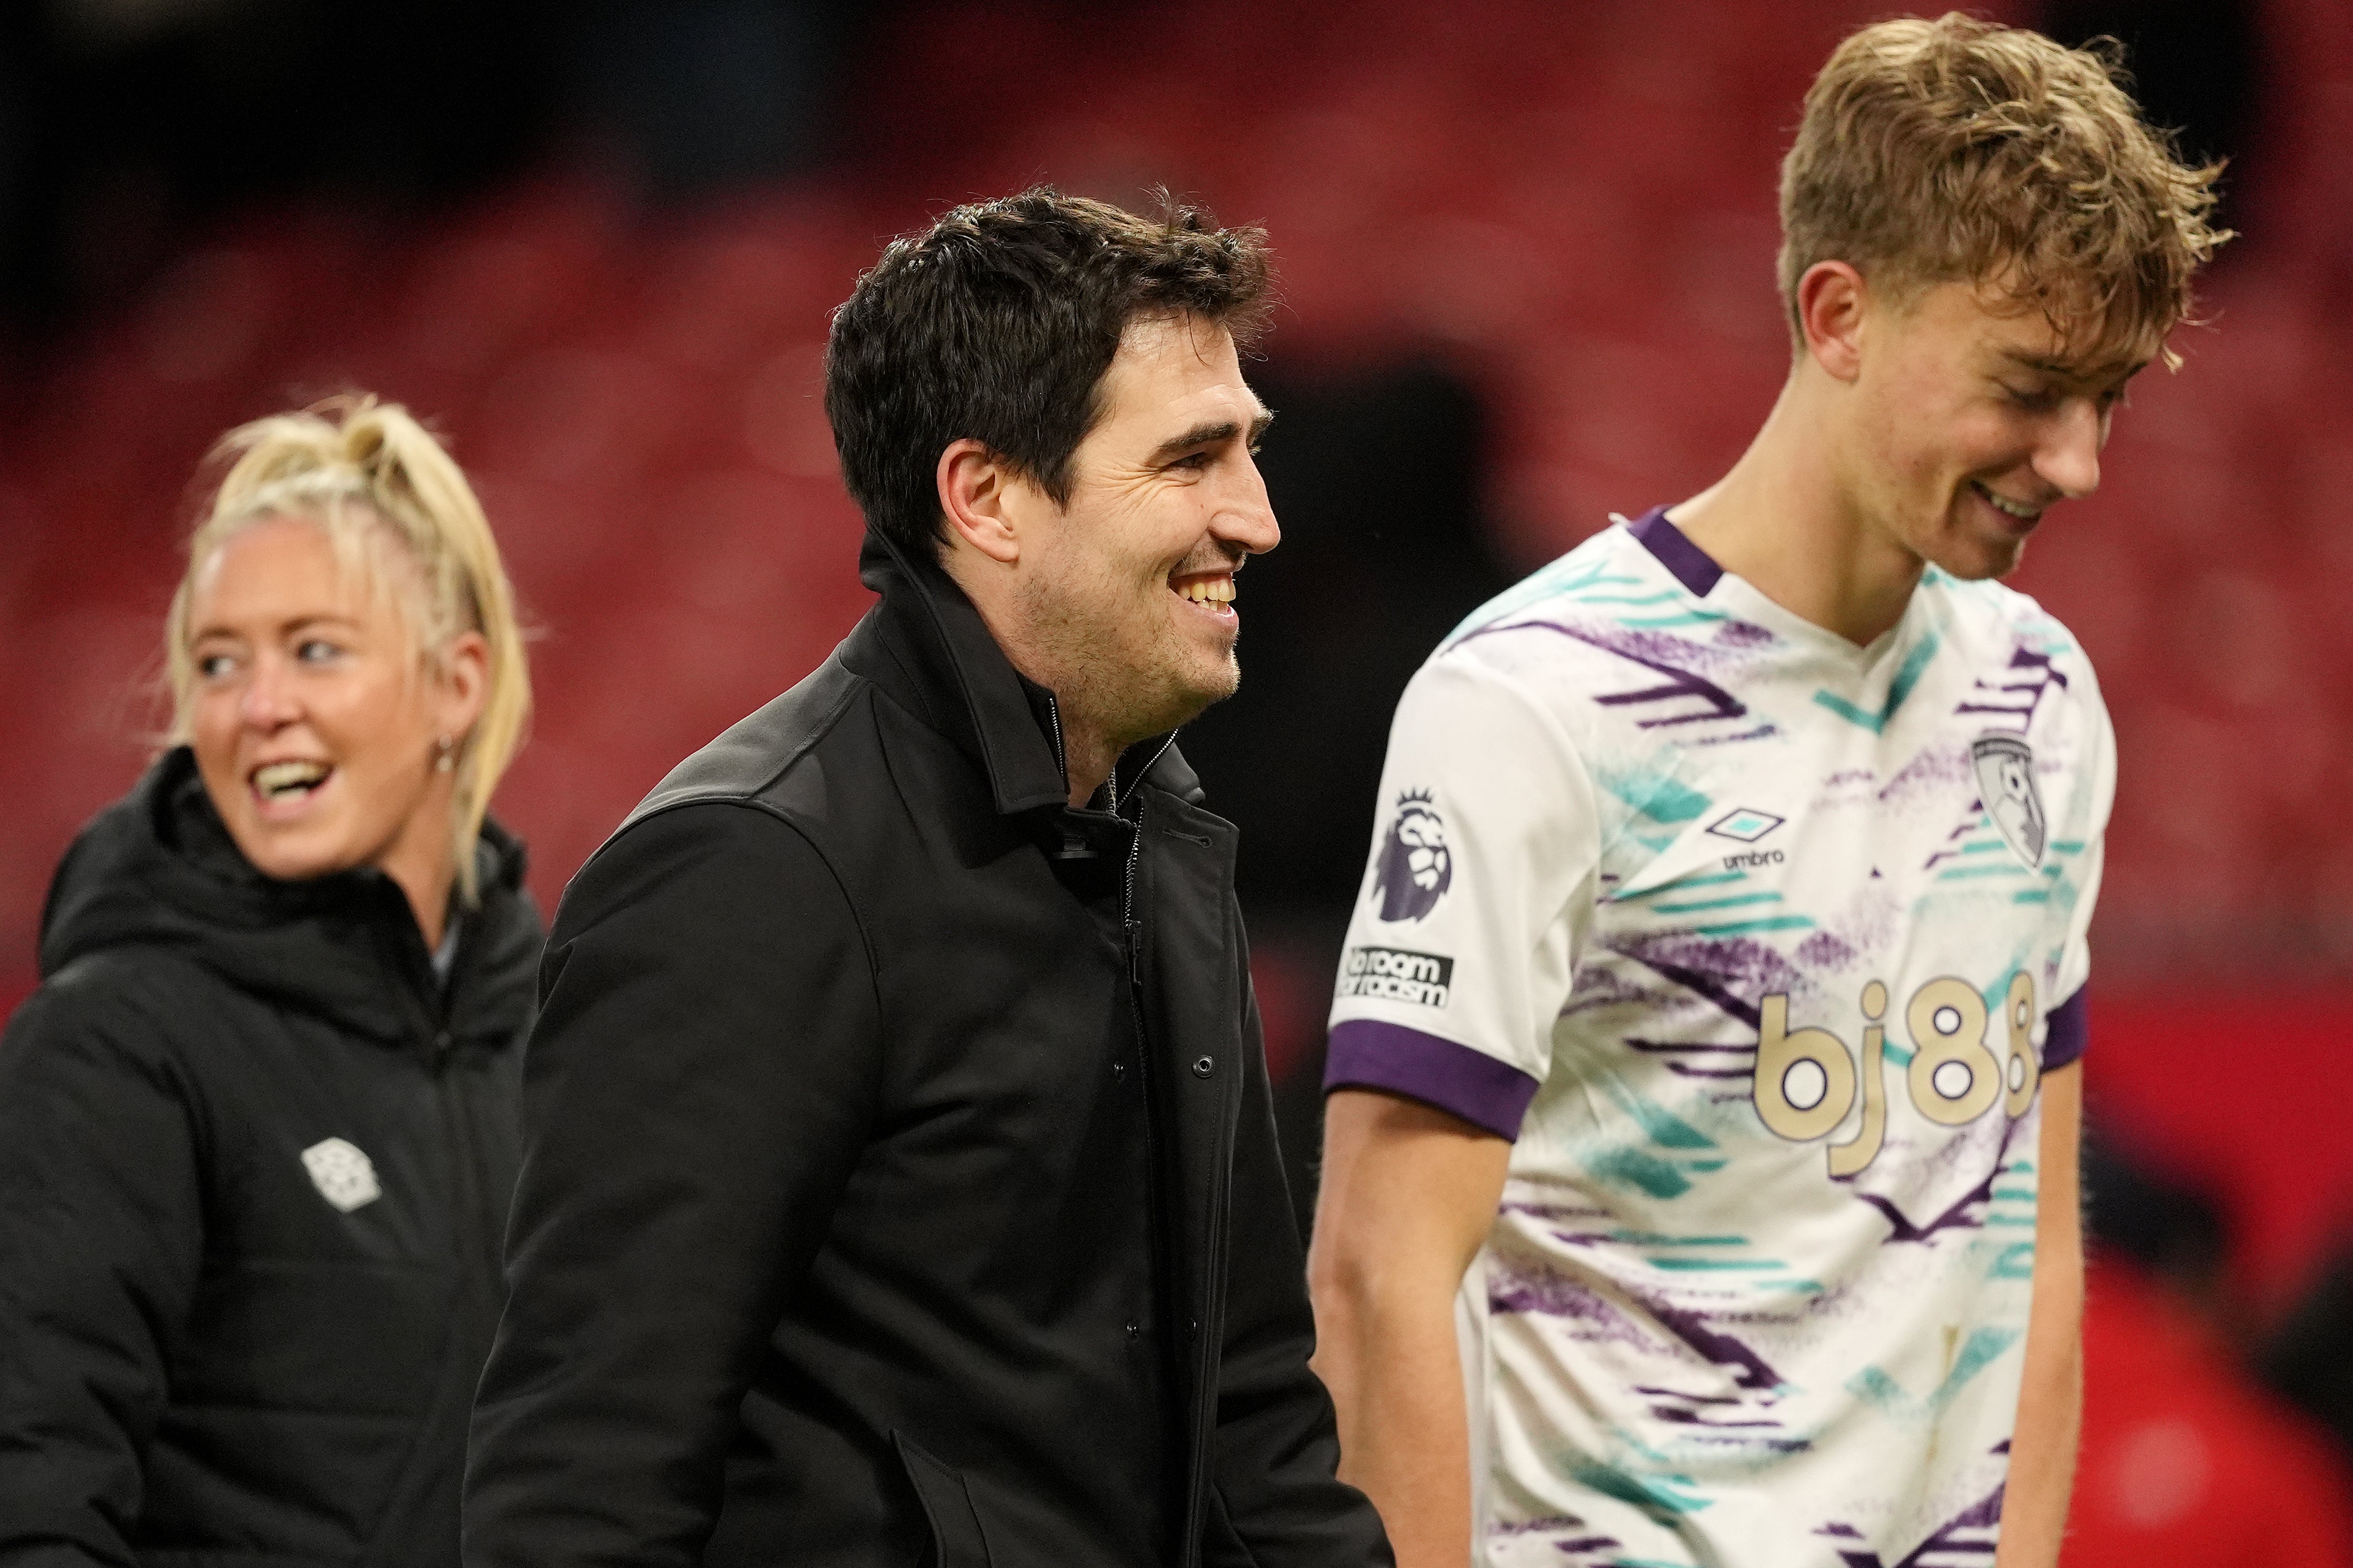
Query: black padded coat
x,y
901,1181
254,1166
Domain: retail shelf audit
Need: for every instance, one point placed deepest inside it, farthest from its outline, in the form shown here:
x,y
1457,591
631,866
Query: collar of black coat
x,y
938,657
159,869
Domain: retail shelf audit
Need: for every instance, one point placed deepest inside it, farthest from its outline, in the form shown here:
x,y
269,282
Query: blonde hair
x,y
1959,151
370,475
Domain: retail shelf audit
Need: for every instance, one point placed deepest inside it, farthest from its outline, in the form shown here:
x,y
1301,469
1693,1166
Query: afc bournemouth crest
x,y
1416,868
2005,768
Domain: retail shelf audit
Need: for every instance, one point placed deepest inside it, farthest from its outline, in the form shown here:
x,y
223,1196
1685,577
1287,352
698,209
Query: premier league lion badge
x,y
1415,867
2005,766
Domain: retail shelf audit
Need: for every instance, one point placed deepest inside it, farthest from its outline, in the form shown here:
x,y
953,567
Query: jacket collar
x,y
158,869
927,646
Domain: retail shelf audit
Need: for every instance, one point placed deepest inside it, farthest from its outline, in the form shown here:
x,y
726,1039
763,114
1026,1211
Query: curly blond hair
x,y
387,495
1960,150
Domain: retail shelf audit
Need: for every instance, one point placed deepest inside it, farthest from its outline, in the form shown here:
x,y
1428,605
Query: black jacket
x,y
857,1223
206,1359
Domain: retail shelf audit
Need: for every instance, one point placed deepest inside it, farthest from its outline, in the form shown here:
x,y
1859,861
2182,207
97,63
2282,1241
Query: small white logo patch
x,y
2005,769
343,1174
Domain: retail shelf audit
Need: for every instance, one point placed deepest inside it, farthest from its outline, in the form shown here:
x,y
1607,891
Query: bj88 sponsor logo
x,y
1965,1057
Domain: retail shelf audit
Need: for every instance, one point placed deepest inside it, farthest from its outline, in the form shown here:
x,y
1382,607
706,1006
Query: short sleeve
x,y
1477,896
2066,1026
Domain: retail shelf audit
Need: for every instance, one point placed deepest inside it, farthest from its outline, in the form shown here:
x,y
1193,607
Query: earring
x,y
445,755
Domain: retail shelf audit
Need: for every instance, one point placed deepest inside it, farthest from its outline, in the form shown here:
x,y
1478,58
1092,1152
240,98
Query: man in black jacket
x,y
901,1181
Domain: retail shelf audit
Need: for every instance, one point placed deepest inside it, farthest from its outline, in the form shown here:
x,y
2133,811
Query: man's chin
x,y
1192,692
1976,558
1208,694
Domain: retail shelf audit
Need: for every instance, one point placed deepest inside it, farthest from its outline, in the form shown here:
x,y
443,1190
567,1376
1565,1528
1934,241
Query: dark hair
x,y
998,324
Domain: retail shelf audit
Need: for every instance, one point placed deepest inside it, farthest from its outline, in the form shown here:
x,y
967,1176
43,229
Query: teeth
x,y
2003,503
283,778
1209,590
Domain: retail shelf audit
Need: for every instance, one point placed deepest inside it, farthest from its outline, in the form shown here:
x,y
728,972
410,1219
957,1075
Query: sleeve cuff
x,y
2068,1030
1366,1053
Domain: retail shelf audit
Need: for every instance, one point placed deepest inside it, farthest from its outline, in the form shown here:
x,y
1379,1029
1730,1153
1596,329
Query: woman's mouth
x,y
288,783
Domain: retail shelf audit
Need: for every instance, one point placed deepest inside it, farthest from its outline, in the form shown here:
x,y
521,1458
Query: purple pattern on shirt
x,y
2017,699
1649,649
1367,1053
1654,651
1958,1215
1688,1061
1728,971
1749,1368
1969,1534
1826,950
1930,770
1518,1284
1955,1217
1695,1410
1578,1540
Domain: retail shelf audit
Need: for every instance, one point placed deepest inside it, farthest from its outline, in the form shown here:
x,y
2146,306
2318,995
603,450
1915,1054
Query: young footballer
x,y
1699,1180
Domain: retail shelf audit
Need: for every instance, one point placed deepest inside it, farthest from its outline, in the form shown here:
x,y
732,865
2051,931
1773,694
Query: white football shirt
x,y
1755,943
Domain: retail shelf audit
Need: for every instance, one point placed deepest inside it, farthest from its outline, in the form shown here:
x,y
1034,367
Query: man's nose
x,y
1246,517
2069,457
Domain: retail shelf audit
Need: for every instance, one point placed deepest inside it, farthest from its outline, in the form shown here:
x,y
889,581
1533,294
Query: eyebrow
x,y
1212,435
2123,370
298,623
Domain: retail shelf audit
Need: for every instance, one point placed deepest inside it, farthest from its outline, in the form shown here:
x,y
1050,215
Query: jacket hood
x,y
157,869
948,667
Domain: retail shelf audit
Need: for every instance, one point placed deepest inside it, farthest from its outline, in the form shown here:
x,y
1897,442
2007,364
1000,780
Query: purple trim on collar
x,y
1691,566
1366,1053
2069,1031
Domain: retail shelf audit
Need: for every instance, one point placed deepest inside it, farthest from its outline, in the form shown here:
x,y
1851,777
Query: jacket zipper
x,y
1054,723
1211,1330
475,1242
1131,928
1172,1310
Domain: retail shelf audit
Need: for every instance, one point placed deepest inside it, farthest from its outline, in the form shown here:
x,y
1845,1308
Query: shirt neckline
x,y
1692,567
1700,573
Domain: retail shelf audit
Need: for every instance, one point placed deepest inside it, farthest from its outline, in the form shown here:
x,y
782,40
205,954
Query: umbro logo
x,y
1747,824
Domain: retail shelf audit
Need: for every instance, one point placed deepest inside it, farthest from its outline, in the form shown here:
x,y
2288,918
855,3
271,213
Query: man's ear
x,y
972,486
1832,301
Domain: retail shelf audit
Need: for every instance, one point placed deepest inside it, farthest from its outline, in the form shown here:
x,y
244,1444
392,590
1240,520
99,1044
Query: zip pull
x,y
1054,723
1134,951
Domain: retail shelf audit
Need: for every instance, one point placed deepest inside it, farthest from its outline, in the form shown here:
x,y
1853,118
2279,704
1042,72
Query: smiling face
x,y
1969,423
1125,595
314,726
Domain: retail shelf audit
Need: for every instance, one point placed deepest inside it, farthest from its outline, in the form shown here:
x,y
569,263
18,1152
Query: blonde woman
x,y
257,1125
